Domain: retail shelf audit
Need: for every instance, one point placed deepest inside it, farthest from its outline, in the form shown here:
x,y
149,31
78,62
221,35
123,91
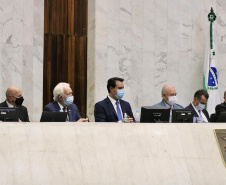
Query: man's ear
x,y
111,88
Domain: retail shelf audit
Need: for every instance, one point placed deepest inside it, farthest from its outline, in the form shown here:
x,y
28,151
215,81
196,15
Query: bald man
x,y
14,98
169,97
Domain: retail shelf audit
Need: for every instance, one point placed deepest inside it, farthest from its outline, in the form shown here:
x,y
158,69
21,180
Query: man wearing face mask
x,y
112,108
169,98
199,102
14,98
63,102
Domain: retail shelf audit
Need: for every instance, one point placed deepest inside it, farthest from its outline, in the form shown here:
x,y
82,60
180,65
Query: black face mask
x,y
19,101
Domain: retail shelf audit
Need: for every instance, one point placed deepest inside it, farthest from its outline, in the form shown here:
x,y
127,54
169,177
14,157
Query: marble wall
x,y
21,51
151,43
109,154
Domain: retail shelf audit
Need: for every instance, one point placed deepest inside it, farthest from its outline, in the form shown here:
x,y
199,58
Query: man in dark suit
x,y
63,102
112,108
199,102
221,107
14,98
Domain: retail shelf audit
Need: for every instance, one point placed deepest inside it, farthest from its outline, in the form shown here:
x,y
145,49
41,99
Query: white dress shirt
x,y
62,108
9,105
203,115
171,107
113,101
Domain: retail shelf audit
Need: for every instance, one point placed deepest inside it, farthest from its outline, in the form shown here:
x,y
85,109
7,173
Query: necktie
x,y
171,109
200,115
118,111
65,110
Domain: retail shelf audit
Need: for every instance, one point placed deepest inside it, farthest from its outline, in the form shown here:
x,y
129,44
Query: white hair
x,y
59,90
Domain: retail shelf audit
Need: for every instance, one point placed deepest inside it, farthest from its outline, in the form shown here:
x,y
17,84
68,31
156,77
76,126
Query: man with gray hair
x,y
169,98
63,101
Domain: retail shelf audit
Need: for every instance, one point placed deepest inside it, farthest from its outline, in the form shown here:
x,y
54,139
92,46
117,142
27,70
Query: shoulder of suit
x,y
221,105
124,101
103,101
179,105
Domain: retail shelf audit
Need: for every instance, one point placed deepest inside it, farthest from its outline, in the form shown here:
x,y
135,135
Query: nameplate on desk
x,y
220,135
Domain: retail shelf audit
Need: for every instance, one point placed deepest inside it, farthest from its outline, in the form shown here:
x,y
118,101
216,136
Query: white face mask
x,y
172,100
200,106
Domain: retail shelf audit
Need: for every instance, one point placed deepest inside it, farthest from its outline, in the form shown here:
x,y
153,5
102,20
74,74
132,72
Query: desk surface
x,y
110,153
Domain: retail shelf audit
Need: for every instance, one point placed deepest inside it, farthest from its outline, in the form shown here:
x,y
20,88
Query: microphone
x,y
81,113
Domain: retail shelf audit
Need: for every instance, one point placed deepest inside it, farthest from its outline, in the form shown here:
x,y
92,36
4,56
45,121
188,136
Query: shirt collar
x,y
9,105
61,106
113,101
166,103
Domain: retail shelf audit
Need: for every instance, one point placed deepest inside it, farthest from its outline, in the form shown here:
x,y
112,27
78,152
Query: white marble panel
x,y
104,155
27,77
54,156
7,21
21,22
20,154
181,171
101,50
160,72
109,153
7,166
1,64
148,54
17,63
37,82
87,155
1,24
38,38
119,154
37,155
173,42
134,155
6,67
73,165
136,52
18,24
125,41
195,171
113,39
91,58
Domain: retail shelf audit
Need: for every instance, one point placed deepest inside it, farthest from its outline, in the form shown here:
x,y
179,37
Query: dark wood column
x,y
65,48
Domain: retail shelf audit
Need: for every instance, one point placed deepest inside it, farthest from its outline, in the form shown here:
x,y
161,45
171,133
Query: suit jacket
x,y
105,112
175,106
220,108
73,112
195,113
22,111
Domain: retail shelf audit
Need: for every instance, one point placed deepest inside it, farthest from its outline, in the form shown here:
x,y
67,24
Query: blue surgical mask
x,y
69,100
120,94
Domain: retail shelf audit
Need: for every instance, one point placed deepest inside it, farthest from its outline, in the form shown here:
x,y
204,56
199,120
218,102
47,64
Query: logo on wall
x,y
220,135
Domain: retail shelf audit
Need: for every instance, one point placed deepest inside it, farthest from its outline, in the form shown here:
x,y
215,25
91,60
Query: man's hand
x,y
83,120
130,119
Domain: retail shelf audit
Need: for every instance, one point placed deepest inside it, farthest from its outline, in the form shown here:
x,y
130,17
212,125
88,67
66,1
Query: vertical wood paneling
x,y
65,48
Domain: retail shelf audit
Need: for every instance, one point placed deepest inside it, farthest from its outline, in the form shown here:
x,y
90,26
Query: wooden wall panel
x,y
65,48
